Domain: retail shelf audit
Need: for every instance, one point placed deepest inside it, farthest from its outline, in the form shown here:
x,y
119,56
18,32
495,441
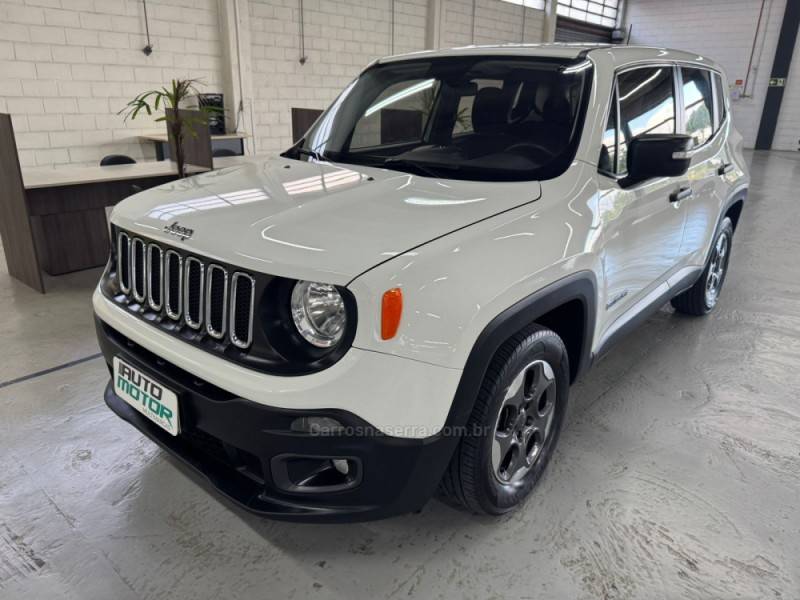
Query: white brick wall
x,y
724,32
342,37
68,66
495,22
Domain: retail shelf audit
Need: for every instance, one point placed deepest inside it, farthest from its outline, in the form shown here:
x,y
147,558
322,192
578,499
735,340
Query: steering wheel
x,y
529,148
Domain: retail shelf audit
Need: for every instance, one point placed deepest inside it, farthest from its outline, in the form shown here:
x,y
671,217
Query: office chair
x,y
116,159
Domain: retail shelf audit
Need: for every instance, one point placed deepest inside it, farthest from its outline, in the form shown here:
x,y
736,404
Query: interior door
x,y
642,227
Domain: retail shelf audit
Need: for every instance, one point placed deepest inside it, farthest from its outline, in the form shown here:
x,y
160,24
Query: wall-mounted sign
x,y
777,82
736,89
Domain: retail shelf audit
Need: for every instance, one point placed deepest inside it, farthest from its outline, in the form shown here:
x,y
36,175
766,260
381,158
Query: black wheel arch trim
x,y
737,195
581,286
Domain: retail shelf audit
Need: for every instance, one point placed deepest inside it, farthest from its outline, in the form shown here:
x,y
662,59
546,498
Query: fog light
x,y
317,426
315,474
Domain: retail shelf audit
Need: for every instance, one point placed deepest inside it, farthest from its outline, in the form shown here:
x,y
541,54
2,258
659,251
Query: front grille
x,y
173,284
193,293
138,270
186,289
155,277
241,310
123,262
216,301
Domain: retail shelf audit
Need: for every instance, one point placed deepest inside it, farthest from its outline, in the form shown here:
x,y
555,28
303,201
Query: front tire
x,y
514,425
702,297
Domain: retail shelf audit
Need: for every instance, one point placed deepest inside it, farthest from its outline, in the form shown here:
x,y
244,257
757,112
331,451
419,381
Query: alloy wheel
x,y
524,422
716,270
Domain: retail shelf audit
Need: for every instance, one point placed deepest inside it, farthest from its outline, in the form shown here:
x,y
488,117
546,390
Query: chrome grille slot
x,y
193,293
124,262
241,321
137,270
216,301
173,284
155,277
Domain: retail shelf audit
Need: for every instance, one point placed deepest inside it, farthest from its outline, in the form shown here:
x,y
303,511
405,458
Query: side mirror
x,y
658,155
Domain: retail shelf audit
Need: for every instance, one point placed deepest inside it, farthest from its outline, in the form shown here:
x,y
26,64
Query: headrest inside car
x,y
489,110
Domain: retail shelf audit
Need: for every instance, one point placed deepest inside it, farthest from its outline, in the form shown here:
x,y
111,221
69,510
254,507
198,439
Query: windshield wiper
x,y
404,162
312,153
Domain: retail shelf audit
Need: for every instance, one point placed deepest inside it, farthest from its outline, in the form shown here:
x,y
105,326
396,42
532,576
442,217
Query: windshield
x,y
479,118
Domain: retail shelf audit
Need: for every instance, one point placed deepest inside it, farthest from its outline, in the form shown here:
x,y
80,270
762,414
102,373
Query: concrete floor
x,y
677,475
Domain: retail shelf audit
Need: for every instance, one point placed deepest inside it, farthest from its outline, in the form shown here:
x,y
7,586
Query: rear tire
x,y
514,425
702,297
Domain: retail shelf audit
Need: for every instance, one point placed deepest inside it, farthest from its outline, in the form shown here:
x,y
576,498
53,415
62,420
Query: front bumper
x,y
398,396
238,445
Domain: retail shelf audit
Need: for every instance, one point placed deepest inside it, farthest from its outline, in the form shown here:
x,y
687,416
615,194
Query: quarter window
x,y
698,102
646,105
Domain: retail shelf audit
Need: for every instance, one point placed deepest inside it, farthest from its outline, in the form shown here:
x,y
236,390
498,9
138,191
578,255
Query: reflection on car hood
x,y
307,220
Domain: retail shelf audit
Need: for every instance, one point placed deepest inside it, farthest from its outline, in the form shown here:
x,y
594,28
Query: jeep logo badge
x,y
184,233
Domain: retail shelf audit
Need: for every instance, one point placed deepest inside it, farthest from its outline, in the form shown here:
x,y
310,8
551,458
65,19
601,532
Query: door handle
x,y
725,169
682,194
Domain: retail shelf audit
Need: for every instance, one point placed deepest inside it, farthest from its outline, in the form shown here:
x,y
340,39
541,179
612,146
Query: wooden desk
x,y
65,228
44,177
230,141
54,220
67,209
222,162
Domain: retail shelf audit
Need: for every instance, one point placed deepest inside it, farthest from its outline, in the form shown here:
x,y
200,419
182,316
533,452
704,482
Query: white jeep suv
x,y
402,299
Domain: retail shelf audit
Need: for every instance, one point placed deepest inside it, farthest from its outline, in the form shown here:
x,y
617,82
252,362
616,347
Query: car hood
x,y
308,220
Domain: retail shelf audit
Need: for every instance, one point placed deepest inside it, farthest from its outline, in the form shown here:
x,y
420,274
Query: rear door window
x,y
698,104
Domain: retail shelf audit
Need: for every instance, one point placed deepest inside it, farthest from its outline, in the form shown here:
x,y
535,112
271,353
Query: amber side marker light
x,y
391,311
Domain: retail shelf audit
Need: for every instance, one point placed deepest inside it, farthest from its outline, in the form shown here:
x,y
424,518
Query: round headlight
x,y
318,312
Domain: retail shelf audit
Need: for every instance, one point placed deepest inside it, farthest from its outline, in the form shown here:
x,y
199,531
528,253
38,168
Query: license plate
x,y
146,395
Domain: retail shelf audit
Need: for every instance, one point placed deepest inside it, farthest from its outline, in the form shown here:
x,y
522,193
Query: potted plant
x,y
180,124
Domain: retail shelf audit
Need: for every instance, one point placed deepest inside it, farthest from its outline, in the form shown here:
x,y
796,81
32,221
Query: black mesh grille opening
x,y
124,262
194,291
244,462
173,281
216,300
138,268
155,275
242,309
